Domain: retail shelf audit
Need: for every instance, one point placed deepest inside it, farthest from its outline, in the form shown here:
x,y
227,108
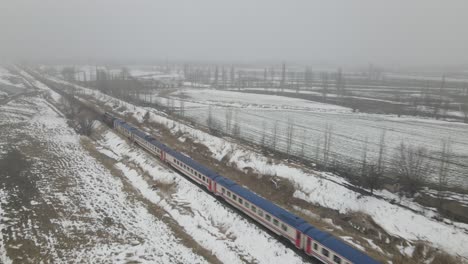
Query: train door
x,y
309,245
298,239
214,187
163,155
209,185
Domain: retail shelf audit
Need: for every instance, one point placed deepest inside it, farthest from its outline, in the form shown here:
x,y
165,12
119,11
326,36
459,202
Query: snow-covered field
x,y
243,100
65,206
322,189
319,188
258,115
80,211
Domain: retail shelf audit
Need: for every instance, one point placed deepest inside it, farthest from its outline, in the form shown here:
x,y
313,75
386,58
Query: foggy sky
x,y
347,31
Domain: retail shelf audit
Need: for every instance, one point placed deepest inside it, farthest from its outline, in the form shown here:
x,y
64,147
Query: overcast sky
x,y
402,32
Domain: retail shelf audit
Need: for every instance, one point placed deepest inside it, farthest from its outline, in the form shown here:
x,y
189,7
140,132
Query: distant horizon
x,y
256,63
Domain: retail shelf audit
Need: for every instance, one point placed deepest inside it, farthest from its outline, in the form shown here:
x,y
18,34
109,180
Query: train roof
x,y
139,133
271,208
193,164
340,247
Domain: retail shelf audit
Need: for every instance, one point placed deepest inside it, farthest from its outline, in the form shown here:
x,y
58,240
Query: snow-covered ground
x,y
224,232
10,84
327,190
67,207
88,199
324,189
3,255
255,101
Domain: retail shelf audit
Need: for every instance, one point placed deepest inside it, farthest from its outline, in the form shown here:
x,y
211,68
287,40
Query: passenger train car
x,y
321,245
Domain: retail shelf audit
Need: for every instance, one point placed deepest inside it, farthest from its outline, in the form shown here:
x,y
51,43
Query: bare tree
x,y
436,104
228,117
283,76
182,107
233,76
237,128
364,157
272,75
274,136
324,76
327,143
412,166
444,166
370,174
303,142
380,159
442,86
224,77
289,136
209,119
216,76
371,177
464,108
146,117
86,126
262,141
308,77
317,149
339,83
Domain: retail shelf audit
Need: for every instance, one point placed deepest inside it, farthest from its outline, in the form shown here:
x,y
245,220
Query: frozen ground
x,y
68,207
243,100
258,114
228,235
58,204
325,189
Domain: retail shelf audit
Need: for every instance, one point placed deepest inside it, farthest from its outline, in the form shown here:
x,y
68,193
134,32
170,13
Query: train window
x,y
268,217
229,194
315,246
223,190
336,259
325,252
234,197
240,201
199,176
260,213
284,227
204,178
275,222
246,204
254,209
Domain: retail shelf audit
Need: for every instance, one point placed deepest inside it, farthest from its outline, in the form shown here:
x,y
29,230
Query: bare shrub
x,y
412,167
85,126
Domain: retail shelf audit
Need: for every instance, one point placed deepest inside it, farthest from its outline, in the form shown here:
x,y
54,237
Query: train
x,y
315,243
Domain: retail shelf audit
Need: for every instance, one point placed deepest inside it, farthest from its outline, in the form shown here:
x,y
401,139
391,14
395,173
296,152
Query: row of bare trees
x,y
410,167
